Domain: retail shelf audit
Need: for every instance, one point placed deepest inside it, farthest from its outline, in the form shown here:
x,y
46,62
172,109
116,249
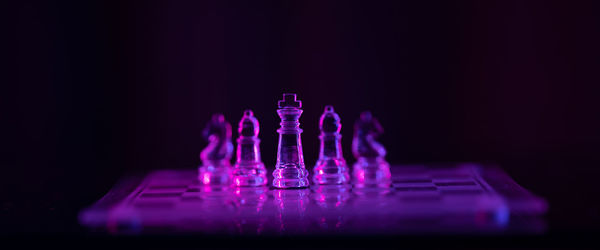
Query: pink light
x,y
206,178
321,198
361,176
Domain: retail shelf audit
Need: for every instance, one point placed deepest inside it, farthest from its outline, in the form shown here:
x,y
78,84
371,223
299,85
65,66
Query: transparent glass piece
x,y
215,168
249,170
370,167
290,171
331,166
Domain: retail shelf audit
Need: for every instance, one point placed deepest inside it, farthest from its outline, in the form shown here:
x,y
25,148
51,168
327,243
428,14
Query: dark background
x,y
96,90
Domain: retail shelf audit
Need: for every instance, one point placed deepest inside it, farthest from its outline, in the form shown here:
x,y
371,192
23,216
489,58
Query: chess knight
x,y
370,167
215,168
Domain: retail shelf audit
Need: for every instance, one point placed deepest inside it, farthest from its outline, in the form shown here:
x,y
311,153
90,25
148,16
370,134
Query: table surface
x,y
448,199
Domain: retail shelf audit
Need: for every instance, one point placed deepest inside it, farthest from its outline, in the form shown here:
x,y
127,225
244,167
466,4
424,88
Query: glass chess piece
x,y
215,168
331,166
290,171
249,170
370,167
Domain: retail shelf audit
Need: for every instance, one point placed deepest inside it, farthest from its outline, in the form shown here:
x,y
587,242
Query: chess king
x,y
331,166
290,171
370,167
249,170
215,168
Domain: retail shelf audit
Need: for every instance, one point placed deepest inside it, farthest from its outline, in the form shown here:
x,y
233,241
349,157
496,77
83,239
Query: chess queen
x,y
290,171
331,166
249,170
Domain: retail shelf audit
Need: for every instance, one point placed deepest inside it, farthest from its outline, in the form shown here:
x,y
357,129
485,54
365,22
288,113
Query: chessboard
x,y
454,199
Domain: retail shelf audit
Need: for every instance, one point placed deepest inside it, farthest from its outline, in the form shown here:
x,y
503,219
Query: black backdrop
x,y
99,89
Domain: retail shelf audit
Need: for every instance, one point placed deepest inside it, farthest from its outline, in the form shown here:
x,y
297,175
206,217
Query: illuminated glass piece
x,y
290,171
370,167
215,168
331,166
249,170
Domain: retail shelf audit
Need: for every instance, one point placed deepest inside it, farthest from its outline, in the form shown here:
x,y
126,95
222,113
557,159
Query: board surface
x,y
462,198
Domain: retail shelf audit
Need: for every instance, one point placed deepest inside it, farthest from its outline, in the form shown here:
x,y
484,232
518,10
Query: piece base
x,y
331,179
249,175
250,181
290,177
210,175
375,171
291,183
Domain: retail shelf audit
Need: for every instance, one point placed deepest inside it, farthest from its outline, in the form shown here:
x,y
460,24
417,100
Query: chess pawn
x,y
216,169
290,171
331,166
249,170
370,167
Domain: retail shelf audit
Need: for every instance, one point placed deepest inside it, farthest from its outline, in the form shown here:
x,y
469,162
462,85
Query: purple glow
x,y
332,196
249,202
205,178
370,167
215,168
460,199
292,205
